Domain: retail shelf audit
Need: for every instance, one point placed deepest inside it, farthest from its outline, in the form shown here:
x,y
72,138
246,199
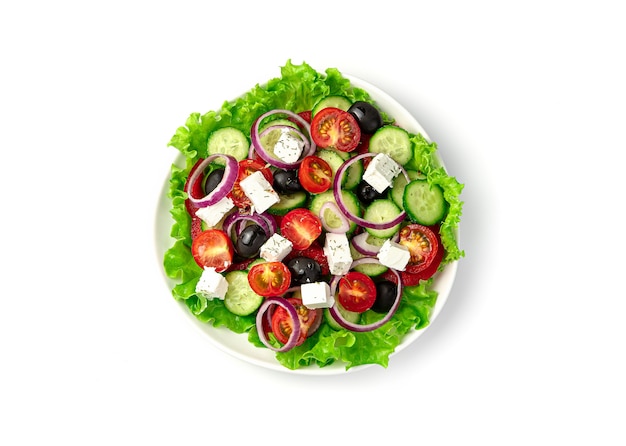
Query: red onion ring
x,y
234,218
361,244
255,138
223,188
345,224
336,314
268,304
355,218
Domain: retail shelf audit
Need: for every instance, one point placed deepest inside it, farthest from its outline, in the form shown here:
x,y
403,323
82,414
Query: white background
x,y
526,102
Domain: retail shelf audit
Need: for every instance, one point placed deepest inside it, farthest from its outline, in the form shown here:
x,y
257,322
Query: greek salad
x,y
308,220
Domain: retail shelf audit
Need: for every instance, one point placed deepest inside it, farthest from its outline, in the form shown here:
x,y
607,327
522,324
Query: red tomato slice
x,y
423,245
282,324
269,278
335,128
246,168
301,227
213,249
315,174
357,292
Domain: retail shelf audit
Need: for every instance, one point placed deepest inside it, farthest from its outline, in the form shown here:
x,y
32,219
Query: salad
x,y
307,220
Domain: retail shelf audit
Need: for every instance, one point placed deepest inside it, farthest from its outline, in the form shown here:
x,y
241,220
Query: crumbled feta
x,y
381,172
316,295
214,213
276,248
337,251
288,148
212,284
259,191
394,255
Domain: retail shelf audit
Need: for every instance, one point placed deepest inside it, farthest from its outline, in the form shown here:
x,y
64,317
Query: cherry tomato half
x,y
213,249
269,278
301,227
335,128
357,292
423,245
282,324
246,168
315,174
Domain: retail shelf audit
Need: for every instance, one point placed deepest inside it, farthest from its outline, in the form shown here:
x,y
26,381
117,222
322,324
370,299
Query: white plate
x,y
237,345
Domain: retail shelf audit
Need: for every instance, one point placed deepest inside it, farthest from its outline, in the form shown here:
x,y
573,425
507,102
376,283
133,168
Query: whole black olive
x,y
250,241
286,181
366,193
367,116
385,296
304,270
213,180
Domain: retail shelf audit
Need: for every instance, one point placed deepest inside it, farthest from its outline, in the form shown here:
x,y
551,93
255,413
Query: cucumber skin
x,y
421,190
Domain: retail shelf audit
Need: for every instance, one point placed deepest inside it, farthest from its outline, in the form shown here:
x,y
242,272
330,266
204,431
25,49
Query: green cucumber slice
x,y
424,203
393,141
240,299
336,101
288,202
380,211
228,141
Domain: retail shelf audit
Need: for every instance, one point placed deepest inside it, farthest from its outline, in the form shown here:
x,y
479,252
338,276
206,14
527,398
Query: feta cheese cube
x,y
212,284
214,213
288,148
259,191
316,295
337,251
394,255
381,172
276,248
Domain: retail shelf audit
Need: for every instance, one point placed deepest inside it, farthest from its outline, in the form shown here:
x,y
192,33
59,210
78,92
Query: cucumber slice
x,y
350,316
288,202
399,183
393,141
336,101
228,141
353,175
333,159
369,269
424,203
349,198
278,121
240,299
380,211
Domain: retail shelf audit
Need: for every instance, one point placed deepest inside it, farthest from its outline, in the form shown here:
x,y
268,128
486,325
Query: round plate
x,y
237,345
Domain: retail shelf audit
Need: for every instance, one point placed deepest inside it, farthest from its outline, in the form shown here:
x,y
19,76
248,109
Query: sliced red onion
x,y
345,224
233,219
355,218
336,314
361,244
255,137
268,304
231,171
271,222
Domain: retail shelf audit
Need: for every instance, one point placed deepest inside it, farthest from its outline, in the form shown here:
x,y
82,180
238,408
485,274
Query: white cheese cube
x,y
337,251
259,191
288,148
212,284
316,295
381,172
394,255
214,213
276,248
